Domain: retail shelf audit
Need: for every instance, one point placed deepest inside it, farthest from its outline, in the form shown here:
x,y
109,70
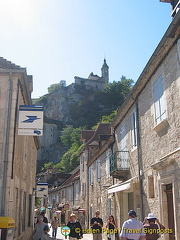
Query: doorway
x,y
170,210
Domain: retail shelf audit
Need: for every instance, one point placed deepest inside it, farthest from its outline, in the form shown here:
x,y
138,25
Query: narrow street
x,y
90,145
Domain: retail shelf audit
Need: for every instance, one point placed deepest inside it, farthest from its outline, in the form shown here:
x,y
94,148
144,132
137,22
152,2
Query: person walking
x,y
35,221
45,220
111,226
96,225
75,228
152,226
41,230
54,226
132,229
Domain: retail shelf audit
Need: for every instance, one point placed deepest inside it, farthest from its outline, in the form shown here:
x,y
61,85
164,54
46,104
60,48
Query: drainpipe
x,y
140,171
87,195
73,192
6,150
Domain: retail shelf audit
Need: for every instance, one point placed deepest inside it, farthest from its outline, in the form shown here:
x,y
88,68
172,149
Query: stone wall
x,y
90,83
21,159
98,194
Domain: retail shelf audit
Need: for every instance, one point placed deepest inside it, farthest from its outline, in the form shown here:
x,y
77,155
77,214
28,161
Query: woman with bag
x,y
111,228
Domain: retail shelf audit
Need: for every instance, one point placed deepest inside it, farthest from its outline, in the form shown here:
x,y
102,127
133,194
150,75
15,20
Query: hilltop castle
x,y
94,80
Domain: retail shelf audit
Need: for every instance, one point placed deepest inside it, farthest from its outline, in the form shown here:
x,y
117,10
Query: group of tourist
x,y
132,229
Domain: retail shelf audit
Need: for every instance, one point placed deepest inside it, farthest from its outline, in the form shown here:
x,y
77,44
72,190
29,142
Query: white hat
x,y
151,216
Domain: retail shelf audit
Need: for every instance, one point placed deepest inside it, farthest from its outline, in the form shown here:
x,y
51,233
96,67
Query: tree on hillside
x,y
66,138
90,110
71,138
114,94
53,87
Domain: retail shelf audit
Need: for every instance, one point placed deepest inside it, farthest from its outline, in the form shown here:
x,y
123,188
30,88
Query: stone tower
x,y
105,72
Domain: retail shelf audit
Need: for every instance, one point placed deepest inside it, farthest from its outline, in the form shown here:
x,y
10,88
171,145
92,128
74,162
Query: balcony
x,y
119,165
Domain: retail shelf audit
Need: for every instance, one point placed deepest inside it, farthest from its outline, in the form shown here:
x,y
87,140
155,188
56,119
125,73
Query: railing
x,y
119,161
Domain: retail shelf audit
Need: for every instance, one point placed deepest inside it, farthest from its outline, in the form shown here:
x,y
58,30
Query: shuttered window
x,y
108,163
98,170
91,177
123,147
159,102
133,130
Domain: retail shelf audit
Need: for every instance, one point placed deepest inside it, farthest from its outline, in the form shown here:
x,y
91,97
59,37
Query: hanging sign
x,y
30,120
42,190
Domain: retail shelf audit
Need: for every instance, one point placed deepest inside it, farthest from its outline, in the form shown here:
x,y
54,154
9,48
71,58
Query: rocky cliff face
x,y
56,104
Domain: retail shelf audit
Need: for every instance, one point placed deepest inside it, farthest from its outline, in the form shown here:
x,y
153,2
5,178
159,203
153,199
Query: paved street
x,y
60,236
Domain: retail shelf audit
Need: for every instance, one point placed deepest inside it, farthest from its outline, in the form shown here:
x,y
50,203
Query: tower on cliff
x,y
105,72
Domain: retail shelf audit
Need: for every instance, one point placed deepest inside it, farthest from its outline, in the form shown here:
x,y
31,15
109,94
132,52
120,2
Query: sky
x,y
58,39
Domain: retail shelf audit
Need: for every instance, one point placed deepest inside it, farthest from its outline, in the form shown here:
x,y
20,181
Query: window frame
x,y
98,162
91,175
108,163
159,100
133,118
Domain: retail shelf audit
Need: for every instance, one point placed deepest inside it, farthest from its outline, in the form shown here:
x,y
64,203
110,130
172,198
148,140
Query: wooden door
x,y
170,209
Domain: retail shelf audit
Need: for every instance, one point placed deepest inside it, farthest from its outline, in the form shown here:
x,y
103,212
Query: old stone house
x,y
18,153
66,193
146,151
95,172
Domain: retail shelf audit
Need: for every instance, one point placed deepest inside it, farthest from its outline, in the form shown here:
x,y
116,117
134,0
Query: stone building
x,y
95,175
144,161
66,193
18,153
51,149
94,81
146,151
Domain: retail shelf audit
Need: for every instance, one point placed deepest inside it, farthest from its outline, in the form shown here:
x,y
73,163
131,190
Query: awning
x,y
122,186
76,208
58,211
81,210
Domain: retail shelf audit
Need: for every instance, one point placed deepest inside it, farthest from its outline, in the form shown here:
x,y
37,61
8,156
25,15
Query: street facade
x,y
133,163
18,153
128,166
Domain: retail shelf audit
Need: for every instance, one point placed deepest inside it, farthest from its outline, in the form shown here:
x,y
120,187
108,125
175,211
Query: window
x,y
159,102
82,159
83,189
151,186
91,177
134,130
98,170
123,147
76,188
108,163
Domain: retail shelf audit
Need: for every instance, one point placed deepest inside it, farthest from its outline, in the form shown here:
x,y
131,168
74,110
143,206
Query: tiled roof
x,y
94,143
102,129
5,64
58,176
75,174
75,170
87,134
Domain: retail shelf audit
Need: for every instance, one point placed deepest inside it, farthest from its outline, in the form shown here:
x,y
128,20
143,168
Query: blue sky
x,y
59,39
